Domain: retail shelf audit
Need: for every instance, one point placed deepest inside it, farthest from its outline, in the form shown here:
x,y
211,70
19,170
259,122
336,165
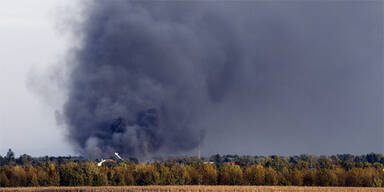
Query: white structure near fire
x,y
110,160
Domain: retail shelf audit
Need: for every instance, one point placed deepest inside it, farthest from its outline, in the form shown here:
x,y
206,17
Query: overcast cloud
x,y
307,76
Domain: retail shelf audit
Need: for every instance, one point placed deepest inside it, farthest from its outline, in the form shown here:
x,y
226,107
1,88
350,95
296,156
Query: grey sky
x,y
307,76
30,44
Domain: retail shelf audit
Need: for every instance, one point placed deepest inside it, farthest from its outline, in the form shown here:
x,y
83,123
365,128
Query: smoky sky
x,y
152,78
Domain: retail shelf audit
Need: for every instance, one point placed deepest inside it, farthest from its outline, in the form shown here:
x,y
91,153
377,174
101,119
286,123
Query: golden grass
x,y
194,189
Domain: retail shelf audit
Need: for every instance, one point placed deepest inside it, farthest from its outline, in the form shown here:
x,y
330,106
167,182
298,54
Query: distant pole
x,y
198,148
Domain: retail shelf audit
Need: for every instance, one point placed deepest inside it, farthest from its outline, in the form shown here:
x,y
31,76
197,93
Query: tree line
x,y
303,170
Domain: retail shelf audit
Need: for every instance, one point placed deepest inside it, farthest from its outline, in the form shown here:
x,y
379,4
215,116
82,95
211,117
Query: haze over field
x,y
151,78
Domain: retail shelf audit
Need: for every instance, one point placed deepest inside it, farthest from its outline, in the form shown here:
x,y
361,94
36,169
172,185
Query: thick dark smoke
x,y
150,77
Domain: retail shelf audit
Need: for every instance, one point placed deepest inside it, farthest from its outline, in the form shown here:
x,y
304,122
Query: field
x,y
194,189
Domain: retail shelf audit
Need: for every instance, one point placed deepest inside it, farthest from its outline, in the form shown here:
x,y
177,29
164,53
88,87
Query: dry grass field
x,y
193,189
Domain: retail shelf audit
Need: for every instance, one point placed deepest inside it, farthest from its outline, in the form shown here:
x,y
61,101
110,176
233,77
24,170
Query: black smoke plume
x,y
137,84
149,77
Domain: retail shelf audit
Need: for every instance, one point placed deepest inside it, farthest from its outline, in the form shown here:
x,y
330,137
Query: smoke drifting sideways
x,y
150,77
